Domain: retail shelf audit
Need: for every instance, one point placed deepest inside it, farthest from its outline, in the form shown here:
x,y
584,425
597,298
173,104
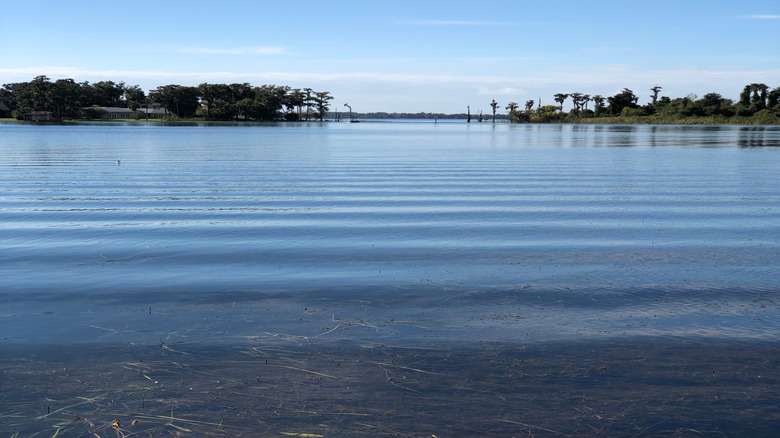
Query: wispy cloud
x,y
456,23
505,91
591,78
366,77
761,17
258,50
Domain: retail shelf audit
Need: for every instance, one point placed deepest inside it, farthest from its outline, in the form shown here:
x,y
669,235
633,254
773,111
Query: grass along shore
x,y
693,120
612,120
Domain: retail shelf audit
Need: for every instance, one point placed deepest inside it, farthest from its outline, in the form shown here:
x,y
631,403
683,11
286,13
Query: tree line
x,y
756,101
66,98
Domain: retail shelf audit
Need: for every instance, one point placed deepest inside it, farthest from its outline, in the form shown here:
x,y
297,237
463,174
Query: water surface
x,y
404,235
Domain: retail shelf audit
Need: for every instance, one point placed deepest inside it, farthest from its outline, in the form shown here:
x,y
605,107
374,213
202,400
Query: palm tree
x,y
529,105
494,104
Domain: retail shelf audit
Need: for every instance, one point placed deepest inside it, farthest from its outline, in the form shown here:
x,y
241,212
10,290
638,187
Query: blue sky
x,y
402,56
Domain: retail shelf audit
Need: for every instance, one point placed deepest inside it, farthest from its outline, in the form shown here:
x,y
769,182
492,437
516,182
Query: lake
x,y
389,279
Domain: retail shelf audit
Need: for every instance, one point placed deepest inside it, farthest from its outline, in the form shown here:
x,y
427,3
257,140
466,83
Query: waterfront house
x,y
38,116
151,113
108,112
113,113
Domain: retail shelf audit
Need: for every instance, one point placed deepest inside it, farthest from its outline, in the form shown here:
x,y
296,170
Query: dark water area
x,y
389,279
627,387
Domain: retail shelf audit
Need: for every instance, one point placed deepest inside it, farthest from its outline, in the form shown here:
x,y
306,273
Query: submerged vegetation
x,y
757,105
282,388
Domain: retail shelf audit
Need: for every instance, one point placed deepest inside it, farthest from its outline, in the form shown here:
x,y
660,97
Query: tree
x,y
759,94
268,101
180,100
576,99
108,93
773,98
560,98
744,96
240,91
321,100
134,96
217,100
39,96
547,114
624,99
752,99
512,107
585,99
529,105
710,104
657,89
245,107
296,99
598,103
494,105
308,100
65,98
241,95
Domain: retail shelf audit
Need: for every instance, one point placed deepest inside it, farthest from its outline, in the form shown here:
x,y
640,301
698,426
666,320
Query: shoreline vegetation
x,y
64,100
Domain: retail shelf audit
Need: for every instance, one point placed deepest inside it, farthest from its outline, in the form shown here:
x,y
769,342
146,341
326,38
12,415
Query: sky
x,y
400,55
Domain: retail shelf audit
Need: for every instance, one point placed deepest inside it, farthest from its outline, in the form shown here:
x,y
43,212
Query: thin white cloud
x,y
582,77
762,17
260,50
75,72
505,91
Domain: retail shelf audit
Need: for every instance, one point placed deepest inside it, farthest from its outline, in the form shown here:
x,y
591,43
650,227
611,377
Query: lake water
x,y
429,261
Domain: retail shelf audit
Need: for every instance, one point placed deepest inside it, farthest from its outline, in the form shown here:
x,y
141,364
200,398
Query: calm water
x,y
404,234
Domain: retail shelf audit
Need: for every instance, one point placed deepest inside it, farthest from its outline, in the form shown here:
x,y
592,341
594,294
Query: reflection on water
x,y
101,220
188,247
758,136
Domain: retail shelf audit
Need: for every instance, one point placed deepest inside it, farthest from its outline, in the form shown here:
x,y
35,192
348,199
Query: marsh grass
x,y
670,120
342,389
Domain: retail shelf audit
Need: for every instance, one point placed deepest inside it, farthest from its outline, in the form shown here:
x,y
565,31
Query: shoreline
x,y
610,121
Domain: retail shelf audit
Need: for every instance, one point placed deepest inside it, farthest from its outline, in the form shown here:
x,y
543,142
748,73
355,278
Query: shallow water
x,y
411,235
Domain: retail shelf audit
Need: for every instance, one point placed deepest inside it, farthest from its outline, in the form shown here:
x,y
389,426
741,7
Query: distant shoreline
x,y
690,121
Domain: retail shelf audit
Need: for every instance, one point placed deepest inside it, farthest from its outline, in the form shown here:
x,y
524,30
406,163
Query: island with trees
x,y
42,99
64,99
757,105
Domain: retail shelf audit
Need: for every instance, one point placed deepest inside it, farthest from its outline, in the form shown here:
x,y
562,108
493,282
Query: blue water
x,y
462,231
389,278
